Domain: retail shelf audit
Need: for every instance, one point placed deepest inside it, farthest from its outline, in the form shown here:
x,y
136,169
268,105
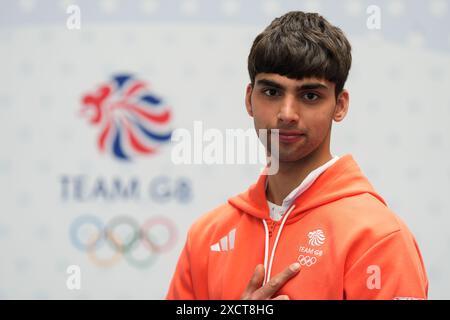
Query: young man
x,y
316,229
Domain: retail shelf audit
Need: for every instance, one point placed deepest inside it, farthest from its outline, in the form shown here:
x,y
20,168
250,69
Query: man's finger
x,y
274,284
281,297
255,282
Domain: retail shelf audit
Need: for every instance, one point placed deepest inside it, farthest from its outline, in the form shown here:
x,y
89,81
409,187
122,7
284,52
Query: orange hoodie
x,y
349,243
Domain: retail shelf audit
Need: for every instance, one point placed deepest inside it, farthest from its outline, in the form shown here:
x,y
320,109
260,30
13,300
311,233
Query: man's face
x,y
302,110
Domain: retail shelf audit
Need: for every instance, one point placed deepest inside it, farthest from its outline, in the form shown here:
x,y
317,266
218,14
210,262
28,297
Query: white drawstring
x,y
266,250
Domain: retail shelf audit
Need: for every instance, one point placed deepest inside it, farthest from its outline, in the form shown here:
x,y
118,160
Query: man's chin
x,y
290,157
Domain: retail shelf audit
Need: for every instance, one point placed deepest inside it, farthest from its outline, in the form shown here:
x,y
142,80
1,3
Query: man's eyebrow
x,y
313,85
270,83
305,86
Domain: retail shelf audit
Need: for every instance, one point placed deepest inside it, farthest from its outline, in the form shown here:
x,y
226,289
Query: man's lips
x,y
290,135
289,132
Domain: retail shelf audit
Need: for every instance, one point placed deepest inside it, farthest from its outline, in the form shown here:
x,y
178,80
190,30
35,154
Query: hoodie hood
x,y
343,179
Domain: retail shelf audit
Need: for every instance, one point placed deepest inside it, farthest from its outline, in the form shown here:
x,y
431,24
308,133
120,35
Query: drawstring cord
x,y
268,269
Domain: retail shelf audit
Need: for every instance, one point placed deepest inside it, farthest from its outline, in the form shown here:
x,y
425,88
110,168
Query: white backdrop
x,y
193,54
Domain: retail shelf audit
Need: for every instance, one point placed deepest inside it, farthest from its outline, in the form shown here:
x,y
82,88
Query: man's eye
x,y
310,96
271,92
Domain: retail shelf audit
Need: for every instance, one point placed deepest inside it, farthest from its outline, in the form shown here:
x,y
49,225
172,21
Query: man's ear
x,y
248,99
341,109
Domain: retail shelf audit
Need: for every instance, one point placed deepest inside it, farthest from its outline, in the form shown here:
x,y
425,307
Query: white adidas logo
x,y
226,243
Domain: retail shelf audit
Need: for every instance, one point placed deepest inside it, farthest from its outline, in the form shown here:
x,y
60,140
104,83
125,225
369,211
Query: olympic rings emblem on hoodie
x,y
306,260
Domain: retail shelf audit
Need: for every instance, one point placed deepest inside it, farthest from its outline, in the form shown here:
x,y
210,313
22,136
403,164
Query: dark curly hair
x,y
299,45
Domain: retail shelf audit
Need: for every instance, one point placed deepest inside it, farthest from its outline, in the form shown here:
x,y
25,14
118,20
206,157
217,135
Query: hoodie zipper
x,y
272,228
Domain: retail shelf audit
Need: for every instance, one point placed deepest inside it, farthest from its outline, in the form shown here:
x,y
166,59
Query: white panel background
x,y
397,127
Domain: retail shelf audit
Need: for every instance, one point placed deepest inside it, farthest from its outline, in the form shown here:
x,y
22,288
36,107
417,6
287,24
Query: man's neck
x,y
290,175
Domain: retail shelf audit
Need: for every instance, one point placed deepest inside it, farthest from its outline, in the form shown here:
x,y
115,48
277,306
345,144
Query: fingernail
x,y
295,266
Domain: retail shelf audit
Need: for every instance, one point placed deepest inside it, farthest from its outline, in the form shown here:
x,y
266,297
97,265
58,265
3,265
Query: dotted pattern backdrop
x,y
194,54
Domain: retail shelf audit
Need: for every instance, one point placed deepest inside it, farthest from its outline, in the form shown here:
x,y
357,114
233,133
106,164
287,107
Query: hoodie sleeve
x,y
392,268
181,287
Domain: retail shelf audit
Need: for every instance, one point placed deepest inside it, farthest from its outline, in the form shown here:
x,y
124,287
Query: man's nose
x,y
289,111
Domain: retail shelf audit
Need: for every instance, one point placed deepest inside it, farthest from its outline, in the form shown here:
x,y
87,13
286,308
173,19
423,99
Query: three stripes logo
x,y
226,243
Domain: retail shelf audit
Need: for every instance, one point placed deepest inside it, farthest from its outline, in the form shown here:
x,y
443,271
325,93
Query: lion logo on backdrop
x,y
133,121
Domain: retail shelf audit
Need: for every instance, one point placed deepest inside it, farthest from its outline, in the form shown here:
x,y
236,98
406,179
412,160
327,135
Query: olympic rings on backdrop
x,y
123,246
